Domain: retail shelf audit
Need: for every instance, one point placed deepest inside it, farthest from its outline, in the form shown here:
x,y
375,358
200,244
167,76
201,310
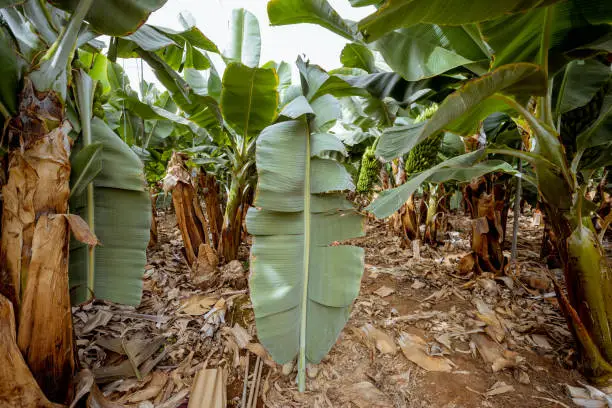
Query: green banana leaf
x,y
202,110
11,71
10,3
245,41
302,283
283,12
518,37
114,17
320,83
581,81
462,111
355,55
249,98
394,14
426,50
122,221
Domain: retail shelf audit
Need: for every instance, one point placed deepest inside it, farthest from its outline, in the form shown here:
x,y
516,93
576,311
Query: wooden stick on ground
x,y
255,371
257,383
246,380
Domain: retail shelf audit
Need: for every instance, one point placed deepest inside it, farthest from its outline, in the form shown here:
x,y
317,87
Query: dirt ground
x,y
419,335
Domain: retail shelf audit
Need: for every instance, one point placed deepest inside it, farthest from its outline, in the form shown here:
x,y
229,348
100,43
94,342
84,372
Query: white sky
x,y
280,43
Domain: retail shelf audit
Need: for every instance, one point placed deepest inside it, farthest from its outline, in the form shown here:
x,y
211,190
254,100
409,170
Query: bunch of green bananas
x,y
424,155
99,99
369,171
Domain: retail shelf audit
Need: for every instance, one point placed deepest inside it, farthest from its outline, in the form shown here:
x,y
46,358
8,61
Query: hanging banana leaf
x,y
302,283
114,17
122,219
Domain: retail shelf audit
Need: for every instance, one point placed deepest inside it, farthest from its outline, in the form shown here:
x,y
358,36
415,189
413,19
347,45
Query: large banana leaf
x,y
405,13
249,98
114,17
302,283
10,71
355,55
427,50
283,12
245,42
122,221
581,81
518,37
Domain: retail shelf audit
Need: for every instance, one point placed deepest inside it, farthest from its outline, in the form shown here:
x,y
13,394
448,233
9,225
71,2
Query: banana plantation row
x,y
437,105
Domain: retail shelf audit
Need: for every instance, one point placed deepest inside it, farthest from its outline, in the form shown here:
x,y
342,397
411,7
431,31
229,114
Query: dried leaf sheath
x,y
35,241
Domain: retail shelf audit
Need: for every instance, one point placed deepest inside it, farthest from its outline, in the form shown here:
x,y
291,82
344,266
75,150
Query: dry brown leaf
x,y
414,348
487,315
493,354
157,383
241,335
98,400
384,291
81,230
384,343
365,395
84,380
498,388
101,318
197,305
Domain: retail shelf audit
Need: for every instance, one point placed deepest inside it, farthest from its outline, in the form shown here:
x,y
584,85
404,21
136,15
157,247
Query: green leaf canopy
x,y
302,283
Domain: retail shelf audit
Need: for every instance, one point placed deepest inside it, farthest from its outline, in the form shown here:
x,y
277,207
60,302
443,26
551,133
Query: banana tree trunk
x,y
588,304
18,388
189,215
232,221
210,188
435,220
485,209
153,231
35,239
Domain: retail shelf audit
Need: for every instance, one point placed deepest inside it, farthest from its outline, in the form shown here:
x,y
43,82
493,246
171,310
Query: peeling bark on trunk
x,y
232,223
35,239
189,216
153,234
485,209
210,188
18,389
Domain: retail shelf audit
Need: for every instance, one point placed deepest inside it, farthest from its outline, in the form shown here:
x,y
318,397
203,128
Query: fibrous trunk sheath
x,y
17,386
35,239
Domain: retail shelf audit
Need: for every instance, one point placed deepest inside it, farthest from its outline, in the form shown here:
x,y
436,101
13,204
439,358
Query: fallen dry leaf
x,y
365,395
414,348
197,305
384,343
384,291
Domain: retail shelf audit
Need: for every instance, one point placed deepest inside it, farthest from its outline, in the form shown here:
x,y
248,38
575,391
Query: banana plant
x,y
563,154
42,122
302,282
247,102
